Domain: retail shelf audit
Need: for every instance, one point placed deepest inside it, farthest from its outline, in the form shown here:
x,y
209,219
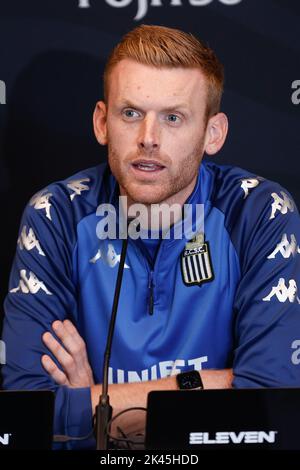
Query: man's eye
x,y
130,113
173,118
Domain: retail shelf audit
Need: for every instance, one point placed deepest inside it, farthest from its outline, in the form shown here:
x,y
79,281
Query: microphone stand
x,y
104,409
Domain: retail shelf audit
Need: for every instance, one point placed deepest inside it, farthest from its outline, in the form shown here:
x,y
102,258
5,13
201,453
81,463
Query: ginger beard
x,y
174,179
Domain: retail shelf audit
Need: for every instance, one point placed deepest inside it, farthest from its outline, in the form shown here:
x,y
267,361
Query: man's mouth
x,y
148,166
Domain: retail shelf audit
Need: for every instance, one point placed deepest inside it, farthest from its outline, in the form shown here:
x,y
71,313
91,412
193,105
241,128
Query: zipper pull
x,y
151,296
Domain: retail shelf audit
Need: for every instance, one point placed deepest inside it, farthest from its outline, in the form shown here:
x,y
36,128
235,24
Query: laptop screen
x,y
235,419
26,419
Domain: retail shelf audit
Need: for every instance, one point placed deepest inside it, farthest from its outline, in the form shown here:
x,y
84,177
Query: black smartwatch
x,y
190,380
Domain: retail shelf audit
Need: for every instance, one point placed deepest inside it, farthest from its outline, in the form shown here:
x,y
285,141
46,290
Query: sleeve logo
x,y
29,241
284,293
286,247
249,183
41,202
77,187
30,284
282,204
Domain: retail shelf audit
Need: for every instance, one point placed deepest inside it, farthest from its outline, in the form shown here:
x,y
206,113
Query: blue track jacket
x,y
230,301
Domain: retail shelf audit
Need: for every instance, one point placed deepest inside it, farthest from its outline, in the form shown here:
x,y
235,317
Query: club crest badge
x,y
196,265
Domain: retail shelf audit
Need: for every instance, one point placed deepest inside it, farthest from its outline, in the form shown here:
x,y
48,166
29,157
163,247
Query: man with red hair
x,y
222,304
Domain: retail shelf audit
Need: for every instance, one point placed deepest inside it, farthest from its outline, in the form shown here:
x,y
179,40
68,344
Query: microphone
x,y
104,409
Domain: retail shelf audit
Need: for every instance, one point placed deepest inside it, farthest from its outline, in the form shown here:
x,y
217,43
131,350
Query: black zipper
x,y
150,268
151,294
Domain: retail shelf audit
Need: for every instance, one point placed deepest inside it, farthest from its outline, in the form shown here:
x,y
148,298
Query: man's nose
x,y
149,136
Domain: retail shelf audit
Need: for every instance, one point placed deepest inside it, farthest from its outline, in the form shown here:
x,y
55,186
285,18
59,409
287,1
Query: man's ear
x,y
216,132
100,122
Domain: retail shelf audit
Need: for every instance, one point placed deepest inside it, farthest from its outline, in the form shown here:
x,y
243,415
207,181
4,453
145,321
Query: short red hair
x,y
160,46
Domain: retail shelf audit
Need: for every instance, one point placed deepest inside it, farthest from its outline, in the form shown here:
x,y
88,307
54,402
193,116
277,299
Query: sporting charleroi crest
x,y
196,265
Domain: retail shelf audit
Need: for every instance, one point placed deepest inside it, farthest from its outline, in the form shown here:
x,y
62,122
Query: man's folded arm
x,y
41,291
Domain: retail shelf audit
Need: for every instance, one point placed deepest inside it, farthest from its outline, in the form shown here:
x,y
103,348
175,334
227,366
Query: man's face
x,y
155,129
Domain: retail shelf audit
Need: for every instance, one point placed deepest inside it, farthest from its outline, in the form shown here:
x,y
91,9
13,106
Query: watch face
x,y
189,380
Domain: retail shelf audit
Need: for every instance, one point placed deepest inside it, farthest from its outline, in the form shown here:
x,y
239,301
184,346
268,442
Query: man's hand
x,y
72,356
76,373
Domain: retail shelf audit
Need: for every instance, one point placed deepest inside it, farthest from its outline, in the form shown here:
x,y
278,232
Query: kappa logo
x,y
196,265
111,258
286,247
282,204
143,5
284,293
249,183
40,201
29,285
29,241
77,187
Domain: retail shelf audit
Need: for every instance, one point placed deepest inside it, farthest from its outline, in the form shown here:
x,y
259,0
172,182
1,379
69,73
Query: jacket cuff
x,y
79,415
